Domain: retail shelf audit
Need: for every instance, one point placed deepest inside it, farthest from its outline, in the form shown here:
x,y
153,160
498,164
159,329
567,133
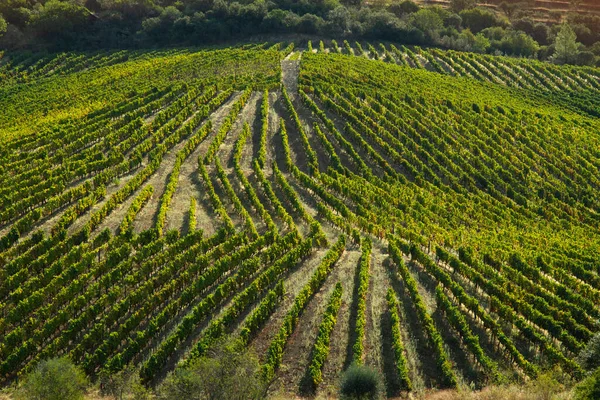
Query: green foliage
x,y
364,276
478,19
126,227
54,379
321,347
192,215
565,45
57,17
261,313
404,7
399,357
123,385
228,372
436,342
361,383
589,358
275,351
226,126
264,114
3,26
427,20
589,388
458,321
519,44
494,169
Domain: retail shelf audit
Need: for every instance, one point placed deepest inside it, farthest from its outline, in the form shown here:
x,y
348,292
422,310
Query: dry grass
x,y
542,389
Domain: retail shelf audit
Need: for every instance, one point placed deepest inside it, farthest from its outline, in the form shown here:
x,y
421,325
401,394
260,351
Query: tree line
x,y
95,24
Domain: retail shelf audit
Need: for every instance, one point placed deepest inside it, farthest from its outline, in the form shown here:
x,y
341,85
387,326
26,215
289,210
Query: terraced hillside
x,y
431,214
541,9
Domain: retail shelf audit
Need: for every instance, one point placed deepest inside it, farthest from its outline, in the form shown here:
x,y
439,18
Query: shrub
x,y
360,382
427,20
478,19
589,358
403,8
585,58
519,44
228,373
54,379
589,388
123,385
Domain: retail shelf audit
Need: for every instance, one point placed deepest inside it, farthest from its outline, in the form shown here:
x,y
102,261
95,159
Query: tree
x,y
585,58
565,45
59,18
589,358
466,41
478,19
229,372
427,20
519,44
406,7
310,23
54,379
340,20
508,8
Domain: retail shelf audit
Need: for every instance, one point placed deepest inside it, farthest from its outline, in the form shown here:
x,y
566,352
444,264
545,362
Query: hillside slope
x,y
152,203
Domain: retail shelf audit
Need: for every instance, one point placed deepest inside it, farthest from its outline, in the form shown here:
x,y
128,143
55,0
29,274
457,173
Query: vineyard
x,y
432,214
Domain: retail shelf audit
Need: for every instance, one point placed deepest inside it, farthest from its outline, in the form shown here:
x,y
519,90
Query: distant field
x,y
153,202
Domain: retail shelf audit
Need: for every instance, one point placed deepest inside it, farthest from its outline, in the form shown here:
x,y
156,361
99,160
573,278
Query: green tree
x,y
427,20
59,18
406,7
589,358
54,379
478,19
565,45
519,44
228,373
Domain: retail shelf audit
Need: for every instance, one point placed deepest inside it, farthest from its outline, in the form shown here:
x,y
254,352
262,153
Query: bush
x,y
589,389
406,7
519,44
123,385
227,373
585,58
427,20
589,358
478,19
360,382
54,379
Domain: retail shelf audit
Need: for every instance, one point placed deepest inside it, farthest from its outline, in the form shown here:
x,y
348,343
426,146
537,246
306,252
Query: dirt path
x,y
342,338
293,374
289,74
294,282
290,71
180,203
